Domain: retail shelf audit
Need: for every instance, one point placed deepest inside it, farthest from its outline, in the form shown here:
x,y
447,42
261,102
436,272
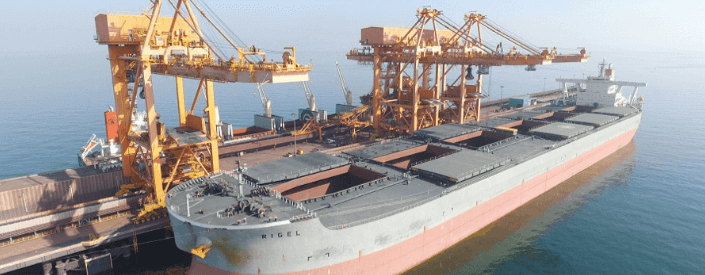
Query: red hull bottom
x,y
407,254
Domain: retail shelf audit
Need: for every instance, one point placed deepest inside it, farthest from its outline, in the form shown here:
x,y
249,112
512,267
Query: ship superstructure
x,y
594,94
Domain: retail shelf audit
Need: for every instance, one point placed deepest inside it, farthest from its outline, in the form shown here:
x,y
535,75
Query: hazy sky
x,y
652,26
55,79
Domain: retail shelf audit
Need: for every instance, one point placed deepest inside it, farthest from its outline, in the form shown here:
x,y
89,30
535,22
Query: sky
x,y
30,27
55,79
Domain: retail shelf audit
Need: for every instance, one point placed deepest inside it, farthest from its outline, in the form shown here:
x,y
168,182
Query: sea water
x,y
642,211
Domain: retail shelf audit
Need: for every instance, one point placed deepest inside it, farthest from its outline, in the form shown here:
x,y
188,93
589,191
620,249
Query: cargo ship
x,y
386,207
355,203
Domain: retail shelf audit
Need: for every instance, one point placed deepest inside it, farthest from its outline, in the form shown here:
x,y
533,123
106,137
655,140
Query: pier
x,y
51,216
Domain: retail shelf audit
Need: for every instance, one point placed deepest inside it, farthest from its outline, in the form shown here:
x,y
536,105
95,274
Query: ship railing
x,y
343,148
454,187
345,191
383,164
390,213
386,140
427,193
385,203
435,157
299,172
492,146
278,195
383,141
517,159
186,185
405,208
308,215
431,174
393,212
563,142
445,192
480,177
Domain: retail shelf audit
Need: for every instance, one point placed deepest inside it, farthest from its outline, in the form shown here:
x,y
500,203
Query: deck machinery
x,y
405,103
146,44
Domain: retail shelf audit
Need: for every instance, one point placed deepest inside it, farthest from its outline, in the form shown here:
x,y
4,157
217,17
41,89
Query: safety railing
x,y
345,191
435,157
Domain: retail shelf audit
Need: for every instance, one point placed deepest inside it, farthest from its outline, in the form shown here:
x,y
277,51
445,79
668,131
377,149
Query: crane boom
x,y
346,92
266,103
310,98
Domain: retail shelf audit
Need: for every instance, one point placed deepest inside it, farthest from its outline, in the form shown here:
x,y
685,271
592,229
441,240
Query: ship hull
x,y
400,241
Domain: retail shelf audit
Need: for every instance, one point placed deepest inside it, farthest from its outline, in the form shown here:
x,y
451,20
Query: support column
x,y
376,91
154,146
122,104
415,98
180,100
400,80
387,79
426,71
444,84
437,95
212,134
477,109
632,97
478,99
463,91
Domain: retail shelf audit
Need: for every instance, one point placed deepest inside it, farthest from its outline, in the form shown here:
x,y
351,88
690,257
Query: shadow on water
x,y
158,256
511,237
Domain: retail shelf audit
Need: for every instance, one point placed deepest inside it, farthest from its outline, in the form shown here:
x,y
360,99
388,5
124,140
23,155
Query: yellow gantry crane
x,y
403,103
146,44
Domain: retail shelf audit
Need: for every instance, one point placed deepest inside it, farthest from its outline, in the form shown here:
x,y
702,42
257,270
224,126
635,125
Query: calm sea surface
x,y
641,211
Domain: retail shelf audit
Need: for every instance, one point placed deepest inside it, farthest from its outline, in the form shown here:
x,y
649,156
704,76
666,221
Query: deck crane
x,y
431,49
310,98
346,92
311,114
146,44
348,106
266,103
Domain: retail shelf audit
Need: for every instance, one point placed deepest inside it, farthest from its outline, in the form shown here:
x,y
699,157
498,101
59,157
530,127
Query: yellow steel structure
x,y
403,103
146,44
352,119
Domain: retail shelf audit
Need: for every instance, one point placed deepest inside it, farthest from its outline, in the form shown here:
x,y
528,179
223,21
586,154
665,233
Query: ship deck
x,y
446,131
202,200
393,175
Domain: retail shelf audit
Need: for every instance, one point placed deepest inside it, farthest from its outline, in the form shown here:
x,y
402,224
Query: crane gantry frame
x,y
402,103
142,45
